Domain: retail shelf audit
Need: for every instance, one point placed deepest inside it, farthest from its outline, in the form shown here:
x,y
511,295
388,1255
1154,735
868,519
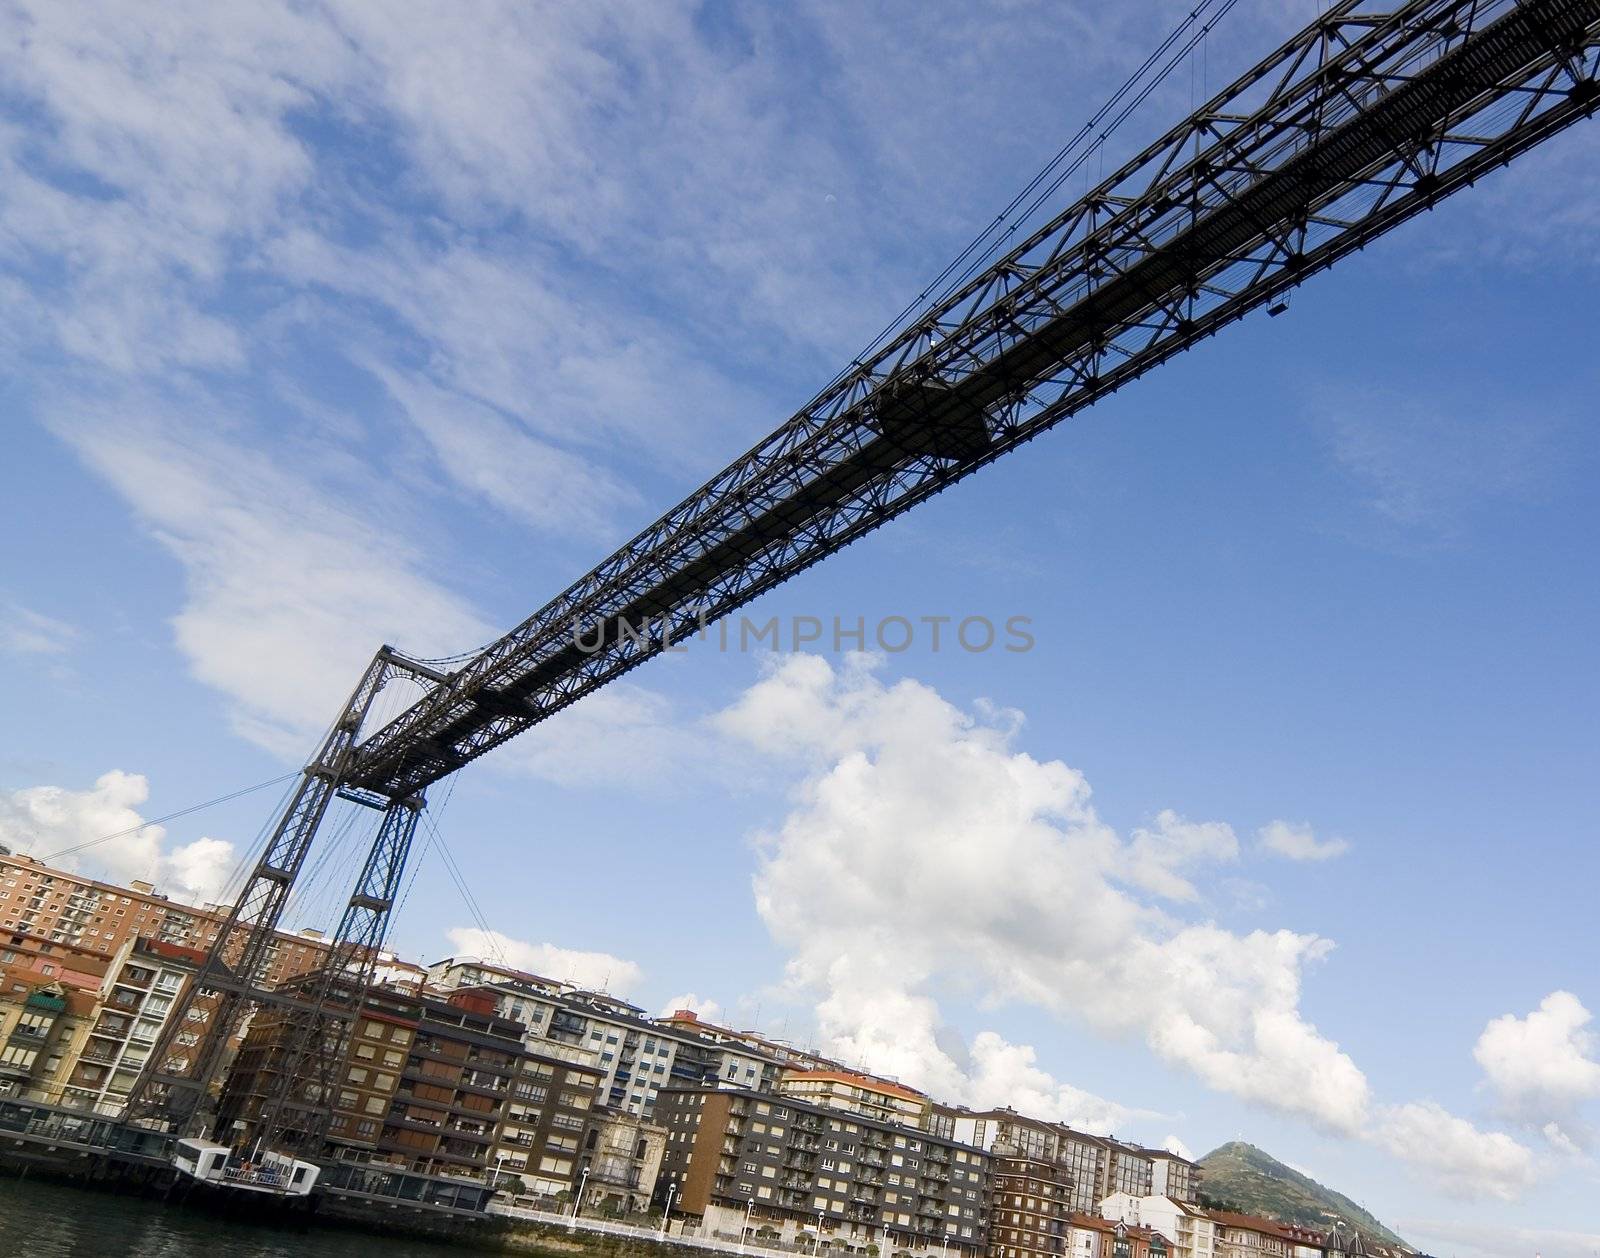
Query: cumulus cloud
x,y
43,820
924,851
1297,842
1462,1160
1156,855
1542,1068
1173,1145
702,1006
598,971
923,847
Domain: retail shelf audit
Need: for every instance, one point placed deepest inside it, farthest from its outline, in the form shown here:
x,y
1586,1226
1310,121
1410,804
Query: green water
x,y
41,1220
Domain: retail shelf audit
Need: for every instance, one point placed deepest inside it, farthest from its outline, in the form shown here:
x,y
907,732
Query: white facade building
x,y
1189,1230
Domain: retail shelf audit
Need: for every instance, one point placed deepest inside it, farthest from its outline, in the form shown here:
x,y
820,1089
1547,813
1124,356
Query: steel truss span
x,y
1370,115
1373,113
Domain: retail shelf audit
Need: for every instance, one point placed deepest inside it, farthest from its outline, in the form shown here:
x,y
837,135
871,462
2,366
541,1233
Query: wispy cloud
x,y
27,632
1425,470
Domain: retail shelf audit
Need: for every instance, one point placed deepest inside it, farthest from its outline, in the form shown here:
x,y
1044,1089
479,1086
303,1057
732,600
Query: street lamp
x,y
745,1230
667,1213
817,1249
577,1202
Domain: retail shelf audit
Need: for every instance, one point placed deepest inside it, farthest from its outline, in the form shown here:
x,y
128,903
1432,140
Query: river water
x,y
41,1220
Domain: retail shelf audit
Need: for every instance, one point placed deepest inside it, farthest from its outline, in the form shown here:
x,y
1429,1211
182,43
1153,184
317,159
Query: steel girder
x,y
1370,115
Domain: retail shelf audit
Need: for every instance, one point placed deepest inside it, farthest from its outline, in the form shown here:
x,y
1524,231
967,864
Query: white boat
x,y
207,1162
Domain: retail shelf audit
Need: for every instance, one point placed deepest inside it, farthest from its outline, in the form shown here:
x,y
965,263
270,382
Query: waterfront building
x,y
620,1162
796,1172
777,1055
1082,1158
141,985
99,917
1174,1176
1030,1205
39,1025
1251,1236
1096,1237
440,1085
637,1055
1189,1229
862,1095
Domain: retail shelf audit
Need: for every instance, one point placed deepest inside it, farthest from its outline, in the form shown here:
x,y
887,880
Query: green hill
x,y
1241,1177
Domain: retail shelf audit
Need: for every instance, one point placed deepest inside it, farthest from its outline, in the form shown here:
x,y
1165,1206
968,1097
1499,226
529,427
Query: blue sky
x,y
323,330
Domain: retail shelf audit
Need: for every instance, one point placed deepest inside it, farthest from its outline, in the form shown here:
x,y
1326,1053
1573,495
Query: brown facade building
x,y
1030,1206
98,917
808,1174
443,1086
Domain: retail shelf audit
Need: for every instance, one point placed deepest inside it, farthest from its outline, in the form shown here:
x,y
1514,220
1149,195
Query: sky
x,y
322,329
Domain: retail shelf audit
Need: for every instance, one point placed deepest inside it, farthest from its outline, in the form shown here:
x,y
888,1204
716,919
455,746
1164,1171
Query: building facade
x,y
620,1162
636,1055
142,984
1030,1206
1096,1237
862,1095
98,917
443,1086
739,1161
1174,1176
1189,1230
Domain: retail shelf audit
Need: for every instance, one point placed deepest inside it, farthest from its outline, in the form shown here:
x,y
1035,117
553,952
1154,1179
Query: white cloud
x,y
1542,1068
1461,1160
598,971
1297,842
41,821
1479,1239
701,1006
1426,469
27,632
923,850
288,593
1157,855
1173,1145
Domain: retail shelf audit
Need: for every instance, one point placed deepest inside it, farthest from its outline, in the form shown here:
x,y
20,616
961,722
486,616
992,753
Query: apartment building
x,y
1174,1176
135,1000
1030,1206
779,1054
637,1055
804,1173
1128,1168
67,908
440,1085
1095,1237
1190,1231
621,1160
1084,1159
39,1028
1251,1236
862,1095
